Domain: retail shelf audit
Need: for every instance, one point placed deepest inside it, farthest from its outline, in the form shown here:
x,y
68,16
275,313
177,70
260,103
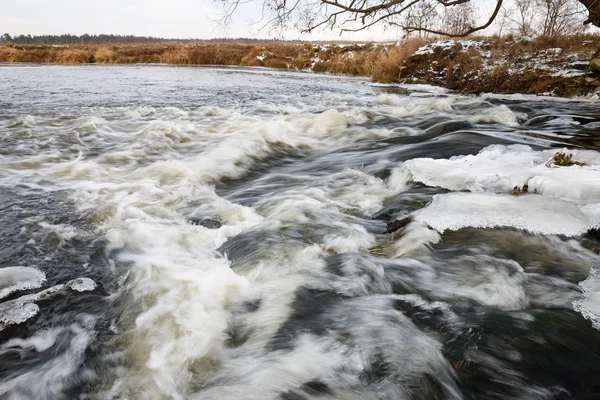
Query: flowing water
x,y
202,233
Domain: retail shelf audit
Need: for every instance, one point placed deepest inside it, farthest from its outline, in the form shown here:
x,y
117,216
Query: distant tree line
x,y
92,39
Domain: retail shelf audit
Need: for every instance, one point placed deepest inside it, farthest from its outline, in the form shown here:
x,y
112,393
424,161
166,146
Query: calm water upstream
x,y
204,233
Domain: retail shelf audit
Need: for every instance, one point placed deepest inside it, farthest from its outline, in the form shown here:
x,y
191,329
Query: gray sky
x,y
162,18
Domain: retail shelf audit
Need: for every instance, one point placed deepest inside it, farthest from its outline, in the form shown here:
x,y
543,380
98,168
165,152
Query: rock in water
x,y
595,65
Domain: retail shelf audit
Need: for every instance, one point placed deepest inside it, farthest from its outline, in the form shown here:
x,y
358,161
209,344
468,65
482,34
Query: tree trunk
x,y
593,7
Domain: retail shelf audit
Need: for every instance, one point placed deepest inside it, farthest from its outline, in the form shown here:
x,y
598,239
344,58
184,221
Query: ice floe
x,y
500,168
535,214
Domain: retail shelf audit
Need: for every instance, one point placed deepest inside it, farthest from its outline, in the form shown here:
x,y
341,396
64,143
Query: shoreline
x,y
414,86
545,67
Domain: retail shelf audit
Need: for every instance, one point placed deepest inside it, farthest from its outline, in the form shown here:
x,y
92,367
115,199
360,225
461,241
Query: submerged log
x,y
397,224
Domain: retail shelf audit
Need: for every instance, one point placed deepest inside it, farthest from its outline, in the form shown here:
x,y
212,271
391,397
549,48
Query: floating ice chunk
x,y
23,308
13,279
82,284
16,313
500,168
589,305
535,214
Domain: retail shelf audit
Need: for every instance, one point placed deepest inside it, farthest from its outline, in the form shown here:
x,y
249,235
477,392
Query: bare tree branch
x,y
467,31
357,15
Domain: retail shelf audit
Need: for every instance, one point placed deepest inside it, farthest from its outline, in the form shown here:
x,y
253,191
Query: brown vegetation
x,y
509,65
561,159
379,60
487,68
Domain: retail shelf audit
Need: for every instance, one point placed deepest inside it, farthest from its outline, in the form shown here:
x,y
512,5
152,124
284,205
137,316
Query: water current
x,y
205,233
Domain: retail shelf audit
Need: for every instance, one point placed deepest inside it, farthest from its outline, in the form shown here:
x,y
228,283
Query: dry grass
x,y
104,55
382,62
457,69
387,67
74,56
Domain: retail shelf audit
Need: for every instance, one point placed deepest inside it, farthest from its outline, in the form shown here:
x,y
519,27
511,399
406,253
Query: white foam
x,y
416,238
250,373
187,291
484,279
535,214
54,374
498,115
328,121
64,232
399,180
348,189
40,341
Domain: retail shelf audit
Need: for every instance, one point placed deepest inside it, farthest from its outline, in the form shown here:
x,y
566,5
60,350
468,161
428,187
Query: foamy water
x,y
196,233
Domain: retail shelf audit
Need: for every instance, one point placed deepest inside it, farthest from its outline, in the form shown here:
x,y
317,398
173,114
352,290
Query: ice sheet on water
x,y
13,279
19,310
82,284
16,313
500,168
561,200
535,214
589,305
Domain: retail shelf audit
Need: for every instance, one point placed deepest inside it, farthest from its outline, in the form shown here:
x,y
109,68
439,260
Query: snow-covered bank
x,y
558,67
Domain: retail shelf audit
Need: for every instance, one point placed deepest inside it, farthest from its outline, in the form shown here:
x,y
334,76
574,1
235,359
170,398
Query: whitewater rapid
x,y
215,234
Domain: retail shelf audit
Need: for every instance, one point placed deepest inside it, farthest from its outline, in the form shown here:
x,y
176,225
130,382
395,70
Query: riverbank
x,y
495,65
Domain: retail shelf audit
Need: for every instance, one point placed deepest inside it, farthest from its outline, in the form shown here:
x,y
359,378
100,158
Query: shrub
x,y
104,55
387,66
276,63
74,56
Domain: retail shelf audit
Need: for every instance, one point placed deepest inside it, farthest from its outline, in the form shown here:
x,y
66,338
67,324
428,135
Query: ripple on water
x,y
218,234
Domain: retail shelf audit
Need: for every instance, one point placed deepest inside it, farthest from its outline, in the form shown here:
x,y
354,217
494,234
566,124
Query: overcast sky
x,y
195,19
162,18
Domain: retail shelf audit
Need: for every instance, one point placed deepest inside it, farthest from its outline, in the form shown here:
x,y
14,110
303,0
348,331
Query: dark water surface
x,y
205,233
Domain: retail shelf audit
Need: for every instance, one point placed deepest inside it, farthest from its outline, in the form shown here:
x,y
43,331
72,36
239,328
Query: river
x,y
218,233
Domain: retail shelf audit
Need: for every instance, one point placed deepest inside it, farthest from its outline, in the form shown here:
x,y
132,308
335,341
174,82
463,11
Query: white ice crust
x,y
14,279
500,168
559,200
532,213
